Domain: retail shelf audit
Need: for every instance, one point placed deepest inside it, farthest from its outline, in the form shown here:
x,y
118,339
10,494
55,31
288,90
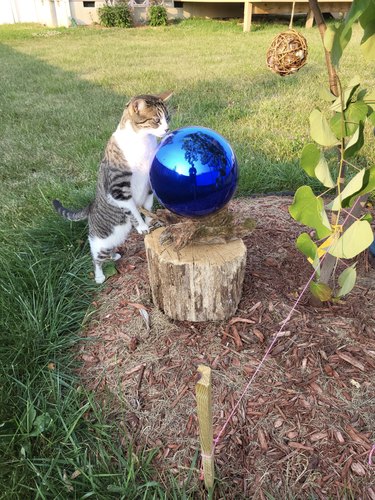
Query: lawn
x,y
62,95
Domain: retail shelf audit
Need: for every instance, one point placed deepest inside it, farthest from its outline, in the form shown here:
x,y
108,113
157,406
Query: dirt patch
x,y
305,427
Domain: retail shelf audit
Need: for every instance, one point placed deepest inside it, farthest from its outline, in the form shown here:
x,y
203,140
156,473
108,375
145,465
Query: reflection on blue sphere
x,y
194,172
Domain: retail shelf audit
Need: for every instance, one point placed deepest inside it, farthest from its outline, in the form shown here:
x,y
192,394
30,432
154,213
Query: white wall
x,y
6,12
85,15
25,11
18,11
63,14
47,12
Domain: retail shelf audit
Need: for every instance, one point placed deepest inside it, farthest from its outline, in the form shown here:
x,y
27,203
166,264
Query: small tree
x,y
115,14
346,233
158,15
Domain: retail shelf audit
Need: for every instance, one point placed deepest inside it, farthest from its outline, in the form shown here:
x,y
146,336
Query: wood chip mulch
x,y
306,425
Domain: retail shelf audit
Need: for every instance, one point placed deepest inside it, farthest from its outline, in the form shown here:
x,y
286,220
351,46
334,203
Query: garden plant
x,y
347,232
115,13
158,15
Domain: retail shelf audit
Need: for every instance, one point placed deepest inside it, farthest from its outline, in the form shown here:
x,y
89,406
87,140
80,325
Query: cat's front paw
x,y
142,228
99,278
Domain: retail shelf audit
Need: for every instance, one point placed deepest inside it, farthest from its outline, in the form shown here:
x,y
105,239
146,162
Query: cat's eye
x,y
157,121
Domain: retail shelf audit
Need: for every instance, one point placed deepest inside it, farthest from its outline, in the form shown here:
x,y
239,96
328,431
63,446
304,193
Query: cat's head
x,y
148,114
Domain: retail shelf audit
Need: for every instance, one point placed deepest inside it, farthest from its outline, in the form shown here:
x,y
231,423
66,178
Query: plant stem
x,y
342,167
332,76
329,261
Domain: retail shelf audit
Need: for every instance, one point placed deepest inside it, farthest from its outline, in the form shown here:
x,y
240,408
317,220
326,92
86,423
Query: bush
x,y
117,15
158,15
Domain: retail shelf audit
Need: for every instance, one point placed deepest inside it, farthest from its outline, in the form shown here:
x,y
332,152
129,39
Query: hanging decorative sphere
x,y
194,172
287,53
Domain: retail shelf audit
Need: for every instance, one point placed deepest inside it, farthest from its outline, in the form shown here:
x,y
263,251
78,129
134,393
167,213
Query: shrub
x,y
117,15
158,15
107,16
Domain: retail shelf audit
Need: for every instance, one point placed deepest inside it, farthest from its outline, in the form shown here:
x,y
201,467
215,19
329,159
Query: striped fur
x,y
123,180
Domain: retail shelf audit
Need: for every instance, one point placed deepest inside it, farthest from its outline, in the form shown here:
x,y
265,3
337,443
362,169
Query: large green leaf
x,y
354,240
368,42
367,21
356,111
306,246
320,130
347,95
337,41
353,186
368,15
368,186
329,37
341,129
357,9
369,98
355,143
326,95
323,174
309,210
321,291
353,115
310,157
347,280
337,38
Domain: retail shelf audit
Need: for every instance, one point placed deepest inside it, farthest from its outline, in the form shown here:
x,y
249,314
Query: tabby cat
x,y
123,181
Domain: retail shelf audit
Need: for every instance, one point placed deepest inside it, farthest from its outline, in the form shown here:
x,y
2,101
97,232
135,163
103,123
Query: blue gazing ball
x,y
194,172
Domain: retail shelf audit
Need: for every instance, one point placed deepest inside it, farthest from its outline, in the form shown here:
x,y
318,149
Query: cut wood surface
x,y
197,283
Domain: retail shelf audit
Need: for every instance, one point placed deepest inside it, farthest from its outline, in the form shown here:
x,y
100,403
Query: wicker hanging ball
x,y
287,53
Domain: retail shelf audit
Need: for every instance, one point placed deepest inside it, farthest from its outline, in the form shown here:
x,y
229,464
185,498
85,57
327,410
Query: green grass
x,y
62,94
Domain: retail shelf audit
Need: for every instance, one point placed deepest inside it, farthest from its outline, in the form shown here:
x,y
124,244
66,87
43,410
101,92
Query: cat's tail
x,y
71,214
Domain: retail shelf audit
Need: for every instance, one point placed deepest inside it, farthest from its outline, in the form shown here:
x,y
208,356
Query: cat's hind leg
x,y
99,256
115,256
102,249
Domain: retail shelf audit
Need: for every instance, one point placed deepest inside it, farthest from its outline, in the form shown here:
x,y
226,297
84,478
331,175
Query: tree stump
x,y
199,282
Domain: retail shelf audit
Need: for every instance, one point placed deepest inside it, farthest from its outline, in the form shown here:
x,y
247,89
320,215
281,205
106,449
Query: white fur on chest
x,y
137,148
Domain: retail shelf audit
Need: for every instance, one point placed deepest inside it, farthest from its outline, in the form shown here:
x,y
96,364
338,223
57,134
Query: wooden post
x,y
247,15
203,393
309,19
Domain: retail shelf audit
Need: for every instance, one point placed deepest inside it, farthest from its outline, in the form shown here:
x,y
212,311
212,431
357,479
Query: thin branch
x,y
332,76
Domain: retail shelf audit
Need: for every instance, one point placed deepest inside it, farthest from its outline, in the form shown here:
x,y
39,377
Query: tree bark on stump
x,y
199,282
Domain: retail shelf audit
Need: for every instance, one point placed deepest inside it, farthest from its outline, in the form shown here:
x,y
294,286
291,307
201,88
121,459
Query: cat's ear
x,y
165,96
137,105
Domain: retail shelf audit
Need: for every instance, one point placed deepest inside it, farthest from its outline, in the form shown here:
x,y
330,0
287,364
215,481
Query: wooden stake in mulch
x,y
203,393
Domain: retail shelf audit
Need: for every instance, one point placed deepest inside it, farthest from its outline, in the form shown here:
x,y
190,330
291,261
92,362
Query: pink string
x,y
216,440
235,408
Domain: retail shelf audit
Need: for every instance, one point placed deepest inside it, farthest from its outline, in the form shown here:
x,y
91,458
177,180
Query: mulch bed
x,y
306,425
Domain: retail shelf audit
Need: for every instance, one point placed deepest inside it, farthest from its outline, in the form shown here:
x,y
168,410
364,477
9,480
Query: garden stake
x,y
203,393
